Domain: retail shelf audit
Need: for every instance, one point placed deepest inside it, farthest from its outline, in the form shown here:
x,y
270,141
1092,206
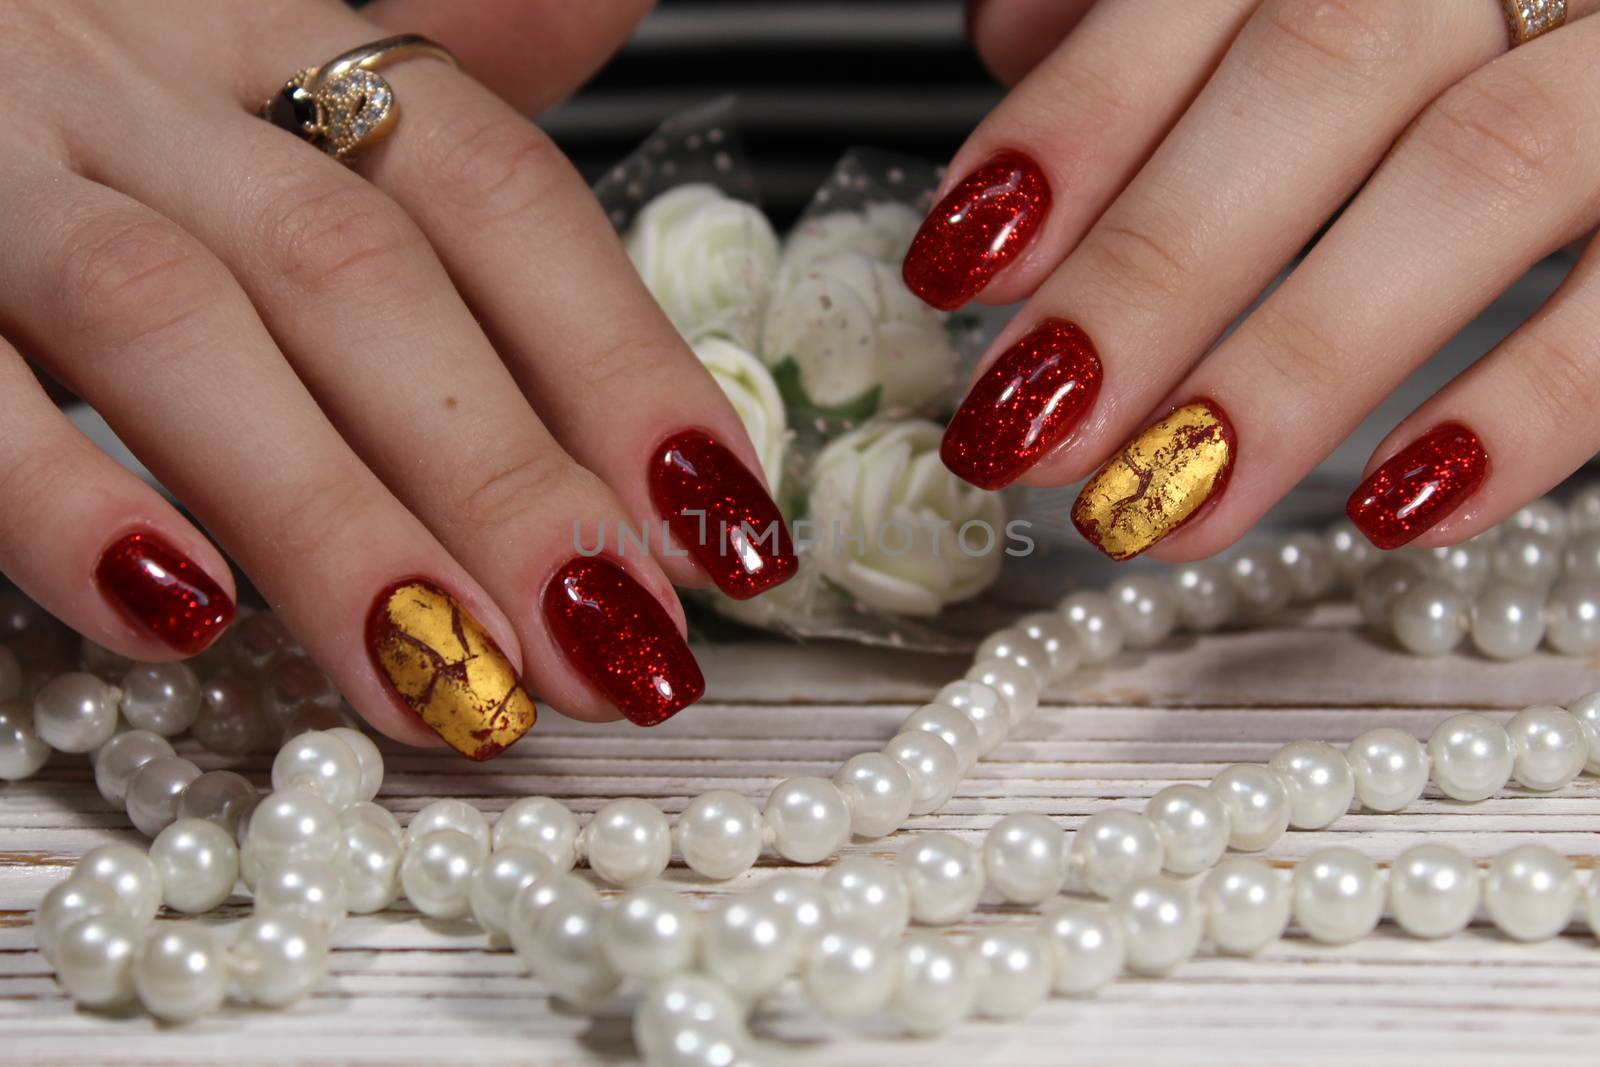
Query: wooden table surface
x,y
408,990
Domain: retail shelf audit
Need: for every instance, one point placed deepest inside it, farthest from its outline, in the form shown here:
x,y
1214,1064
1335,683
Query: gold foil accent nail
x,y
1157,481
447,669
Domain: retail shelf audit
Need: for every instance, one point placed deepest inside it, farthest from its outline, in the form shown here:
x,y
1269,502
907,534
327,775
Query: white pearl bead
x,y
1591,905
1572,618
370,866
1257,803
311,887
629,842
649,934
1160,922
1433,891
154,791
849,973
749,944
1309,564
1583,509
292,687
809,818
943,877
1338,895
1582,556
498,880
564,951
437,869
1025,858
1145,609
1378,588
1543,516
163,698
1529,892
278,957
802,900
367,812
719,832
180,972
984,706
1353,555
257,639
1471,757
1192,826
1549,747
221,797
321,763
1507,620
22,752
868,895
683,1001
542,824
938,985
1087,944
1017,686
94,959
1015,646
1466,566
1318,778
198,863
950,726
70,902
1246,906
530,902
1016,973
368,758
1204,596
1059,638
1430,618
934,767
455,815
230,722
1263,585
1095,621
878,790
75,712
1113,848
1527,557
289,824
129,874
1586,709
1390,766
117,759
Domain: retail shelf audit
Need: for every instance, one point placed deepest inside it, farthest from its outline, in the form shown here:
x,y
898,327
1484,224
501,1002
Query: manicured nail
x,y
622,640
158,588
1157,482
1419,486
981,225
444,666
721,515
1024,405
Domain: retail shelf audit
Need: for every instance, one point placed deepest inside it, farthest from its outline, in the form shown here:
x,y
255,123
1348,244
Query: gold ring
x,y
1528,19
344,105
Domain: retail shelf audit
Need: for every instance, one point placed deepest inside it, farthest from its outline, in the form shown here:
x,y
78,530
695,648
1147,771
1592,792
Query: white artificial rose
x,y
707,259
895,528
858,340
749,388
881,232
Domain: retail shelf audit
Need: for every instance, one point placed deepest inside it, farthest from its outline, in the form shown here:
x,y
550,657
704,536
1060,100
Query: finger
x,y
1303,107
1045,163
1013,36
160,591
139,319
1495,175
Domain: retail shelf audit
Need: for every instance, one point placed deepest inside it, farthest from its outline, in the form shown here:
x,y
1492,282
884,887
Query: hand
x,y
401,394
1150,176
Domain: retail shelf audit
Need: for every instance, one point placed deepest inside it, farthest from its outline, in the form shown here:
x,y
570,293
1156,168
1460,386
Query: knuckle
x,y
1100,99
1506,132
343,238
1360,39
488,168
1142,260
1562,380
329,505
619,366
510,490
1301,356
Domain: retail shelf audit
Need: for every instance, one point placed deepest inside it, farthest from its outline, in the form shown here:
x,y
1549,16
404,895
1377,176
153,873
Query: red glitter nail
x,y
1419,486
158,588
982,225
1025,404
718,511
620,638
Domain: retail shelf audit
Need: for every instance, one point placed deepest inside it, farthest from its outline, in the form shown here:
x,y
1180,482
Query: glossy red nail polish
x,y
721,515
1024,405
1419,486
981,225
622,640
158,588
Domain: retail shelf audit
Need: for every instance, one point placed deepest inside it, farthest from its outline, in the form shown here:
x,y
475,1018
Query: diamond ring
x,y
1528,19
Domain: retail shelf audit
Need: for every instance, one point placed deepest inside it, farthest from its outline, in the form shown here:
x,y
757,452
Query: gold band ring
x,y
1528,19
344,105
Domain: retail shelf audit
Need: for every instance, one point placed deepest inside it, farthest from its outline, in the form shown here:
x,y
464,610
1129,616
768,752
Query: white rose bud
x,y
707,259
895,528
750,389
881,232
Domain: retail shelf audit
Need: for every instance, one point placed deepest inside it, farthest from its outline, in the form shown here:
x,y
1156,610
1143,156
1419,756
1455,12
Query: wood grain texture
x,y
412,991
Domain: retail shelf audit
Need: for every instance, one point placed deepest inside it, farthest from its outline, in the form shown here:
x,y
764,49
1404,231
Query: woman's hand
x,y
1160,165
401,394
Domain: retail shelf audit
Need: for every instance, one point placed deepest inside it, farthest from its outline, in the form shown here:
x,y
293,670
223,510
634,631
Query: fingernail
x,y
1024,405
444,666
159,589
1419,486
981,225
721,515
1157,482
622,640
